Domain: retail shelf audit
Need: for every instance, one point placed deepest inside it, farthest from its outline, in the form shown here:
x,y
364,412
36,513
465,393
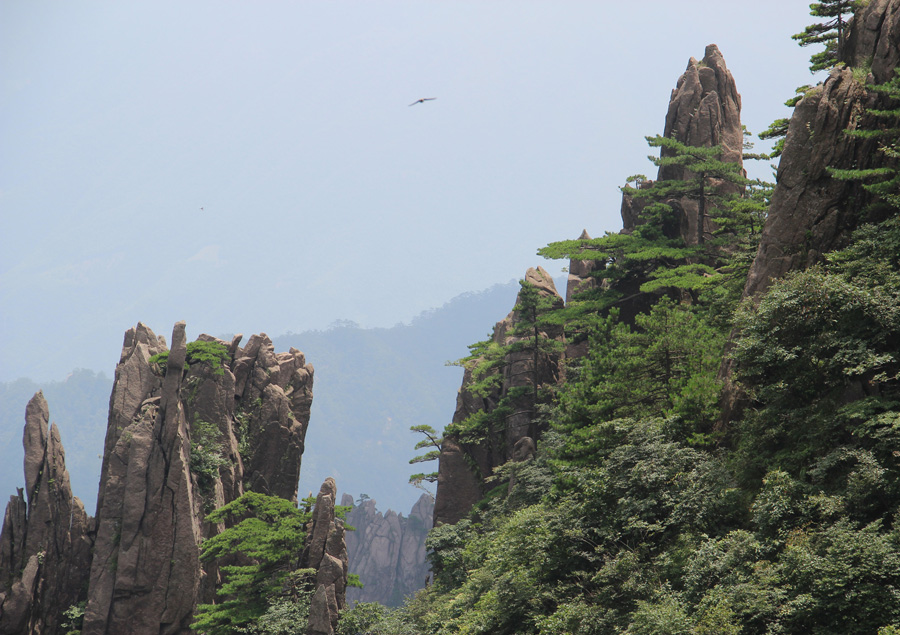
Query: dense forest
x,y
722,456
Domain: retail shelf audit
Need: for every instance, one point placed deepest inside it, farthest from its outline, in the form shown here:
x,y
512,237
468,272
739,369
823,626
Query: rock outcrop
x,y
190,428
46,540
387,551
326,552
811,212
704,110
181,442
463,467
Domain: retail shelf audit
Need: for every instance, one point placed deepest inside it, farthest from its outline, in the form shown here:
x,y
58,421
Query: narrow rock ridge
x,y
45,544
387,550
463,468
326,552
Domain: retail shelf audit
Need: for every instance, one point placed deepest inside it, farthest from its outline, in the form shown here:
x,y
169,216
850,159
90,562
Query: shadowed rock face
x,y
387,551
45,545
458,485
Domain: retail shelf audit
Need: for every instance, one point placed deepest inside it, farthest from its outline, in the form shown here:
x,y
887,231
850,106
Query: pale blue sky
x,y
324,196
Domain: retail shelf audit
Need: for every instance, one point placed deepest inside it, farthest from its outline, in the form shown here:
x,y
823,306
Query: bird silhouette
x,y
423,100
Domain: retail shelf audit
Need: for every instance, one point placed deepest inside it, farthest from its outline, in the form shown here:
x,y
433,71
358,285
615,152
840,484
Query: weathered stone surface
x,y
145,575
275,391
326,552
45,546
387,551
458,486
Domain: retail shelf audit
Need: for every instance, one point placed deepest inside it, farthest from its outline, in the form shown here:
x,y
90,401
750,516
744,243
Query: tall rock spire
x,y
45,545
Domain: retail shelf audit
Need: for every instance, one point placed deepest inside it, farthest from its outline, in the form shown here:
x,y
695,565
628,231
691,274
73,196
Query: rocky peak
x,y
812,213
705,110
45,544
189,426
326,552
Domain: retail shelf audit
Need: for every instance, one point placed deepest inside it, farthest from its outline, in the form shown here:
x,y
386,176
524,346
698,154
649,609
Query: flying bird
x,y
423,100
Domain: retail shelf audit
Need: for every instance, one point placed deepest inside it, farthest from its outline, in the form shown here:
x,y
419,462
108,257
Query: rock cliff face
x,y
463,467
387,551
45,544
811,212
189,429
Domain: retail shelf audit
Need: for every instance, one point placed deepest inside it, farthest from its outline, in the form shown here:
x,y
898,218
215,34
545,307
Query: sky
x,y
256,167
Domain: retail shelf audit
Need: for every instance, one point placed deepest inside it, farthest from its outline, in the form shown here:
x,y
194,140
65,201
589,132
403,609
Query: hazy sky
x,y
255,166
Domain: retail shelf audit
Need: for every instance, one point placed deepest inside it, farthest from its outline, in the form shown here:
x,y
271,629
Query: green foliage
x,y
269,533
361,618
883,181
74,619
206,454
432,440
198,352
664,366
832,32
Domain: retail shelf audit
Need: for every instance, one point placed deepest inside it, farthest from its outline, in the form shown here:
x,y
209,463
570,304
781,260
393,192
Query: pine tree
x,y
832,32
432,440
883,181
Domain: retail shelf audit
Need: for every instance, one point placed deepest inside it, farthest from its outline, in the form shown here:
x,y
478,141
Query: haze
x,y
254,167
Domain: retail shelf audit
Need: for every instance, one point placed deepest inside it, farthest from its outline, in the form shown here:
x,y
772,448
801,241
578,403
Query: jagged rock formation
x,y
145,575
387,550
326,552
704,111
45,545
462,467
187,432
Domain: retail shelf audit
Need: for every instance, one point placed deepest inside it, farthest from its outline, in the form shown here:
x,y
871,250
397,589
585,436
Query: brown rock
x,y
326,552
812,213
145,575
45,547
